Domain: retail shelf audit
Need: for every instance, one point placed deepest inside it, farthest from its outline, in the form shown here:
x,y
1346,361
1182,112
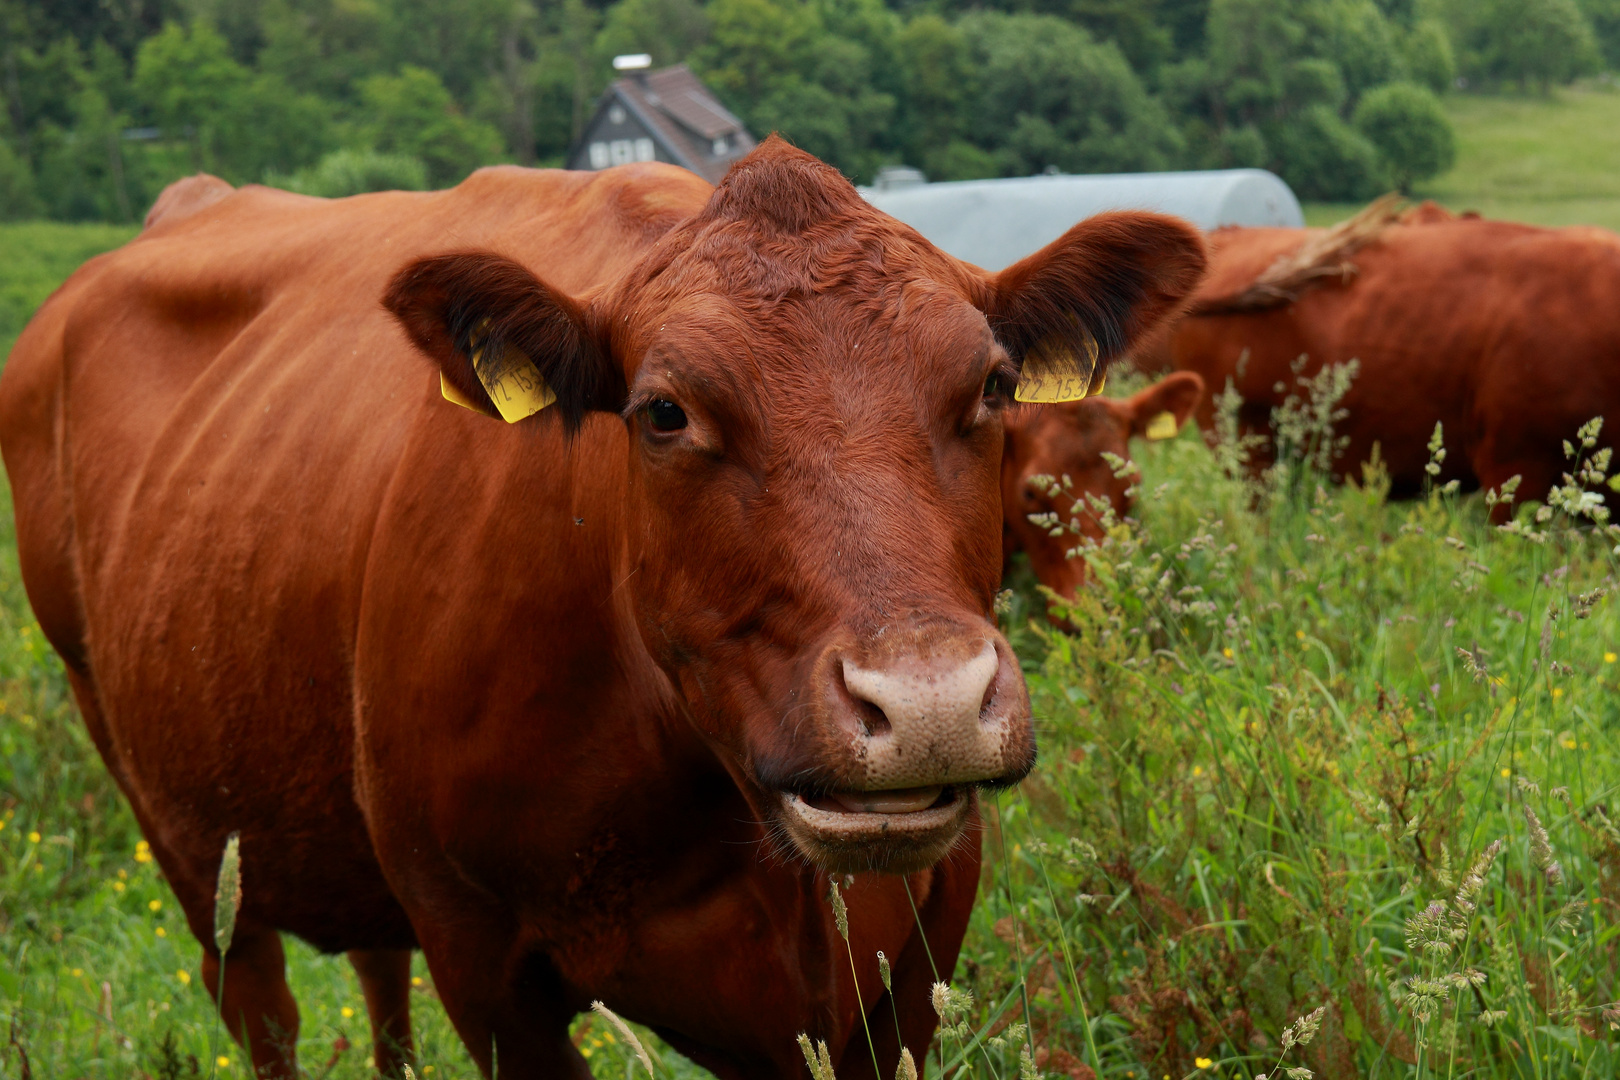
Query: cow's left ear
x,y
505,342
1159,411
1067,310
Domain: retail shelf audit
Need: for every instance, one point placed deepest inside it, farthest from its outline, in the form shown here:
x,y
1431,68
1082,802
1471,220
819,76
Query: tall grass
x,y
1305,749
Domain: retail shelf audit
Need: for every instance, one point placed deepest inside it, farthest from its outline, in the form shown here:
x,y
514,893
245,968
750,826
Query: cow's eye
x,y
666,415
995,386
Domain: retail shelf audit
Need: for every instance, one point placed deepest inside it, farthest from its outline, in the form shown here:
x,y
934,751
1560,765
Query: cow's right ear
x,y
479,316
1064,312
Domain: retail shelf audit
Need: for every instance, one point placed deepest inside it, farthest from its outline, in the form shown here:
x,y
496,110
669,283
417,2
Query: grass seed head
x,y
840,911
228,893
1541,849
908,1066
629,1036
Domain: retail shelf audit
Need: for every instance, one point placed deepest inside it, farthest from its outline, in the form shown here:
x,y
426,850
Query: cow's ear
x,y
1067,310
1159,411
498,332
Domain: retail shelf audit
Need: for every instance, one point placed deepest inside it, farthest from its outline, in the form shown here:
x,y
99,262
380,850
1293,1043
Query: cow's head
x,y
1067,444
814,398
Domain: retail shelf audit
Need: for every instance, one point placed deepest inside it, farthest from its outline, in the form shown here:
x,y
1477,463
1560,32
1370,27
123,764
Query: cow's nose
x,y
935,722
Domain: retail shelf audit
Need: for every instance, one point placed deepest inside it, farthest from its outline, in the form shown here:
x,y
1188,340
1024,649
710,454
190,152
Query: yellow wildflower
x,y
162,932
184,976
155,905
1506,772
347,1012
33,838
1203,1063
223,1062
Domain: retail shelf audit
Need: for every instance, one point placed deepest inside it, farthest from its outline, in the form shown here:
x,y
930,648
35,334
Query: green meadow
x,y
1547,160
1327,783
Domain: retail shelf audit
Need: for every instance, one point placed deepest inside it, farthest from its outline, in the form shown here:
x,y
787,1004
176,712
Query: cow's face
x,y
1055,469
814,399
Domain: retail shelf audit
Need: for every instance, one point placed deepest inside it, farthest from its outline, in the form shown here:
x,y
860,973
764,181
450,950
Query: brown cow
x,y
1069,441
1507,334
589,706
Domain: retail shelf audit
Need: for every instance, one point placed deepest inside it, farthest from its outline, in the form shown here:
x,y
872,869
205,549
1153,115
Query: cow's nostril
x,y
868,713
873,720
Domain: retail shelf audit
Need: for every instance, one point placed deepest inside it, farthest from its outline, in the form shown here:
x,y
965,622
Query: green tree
x,y
188,80
1322,157
671,30
323,47
1410,130
412,113
1356,36
939,82
1604,16
824,73
1052,97
1535,43
17,197
1429,58
235,122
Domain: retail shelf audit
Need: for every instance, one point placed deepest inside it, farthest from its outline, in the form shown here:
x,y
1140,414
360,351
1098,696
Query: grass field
x,y
1271,782
1547,161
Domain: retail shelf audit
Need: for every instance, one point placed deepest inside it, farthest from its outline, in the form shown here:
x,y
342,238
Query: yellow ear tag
x,y
513,382
456,397
1054,373
1162,426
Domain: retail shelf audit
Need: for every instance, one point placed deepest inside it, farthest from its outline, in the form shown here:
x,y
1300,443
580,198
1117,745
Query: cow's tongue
x,y
906,801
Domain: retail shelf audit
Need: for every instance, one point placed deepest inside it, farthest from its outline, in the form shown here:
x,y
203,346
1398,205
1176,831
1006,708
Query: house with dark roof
x,y
666,115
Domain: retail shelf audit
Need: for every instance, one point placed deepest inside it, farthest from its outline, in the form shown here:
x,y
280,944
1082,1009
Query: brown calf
x,y
1069,441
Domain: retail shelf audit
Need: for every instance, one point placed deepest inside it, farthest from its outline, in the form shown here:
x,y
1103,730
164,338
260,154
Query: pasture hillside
x,y
1301,749
1550,159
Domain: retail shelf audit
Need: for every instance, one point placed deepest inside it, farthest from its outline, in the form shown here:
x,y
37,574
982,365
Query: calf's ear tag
x,y
1163,426
1056,371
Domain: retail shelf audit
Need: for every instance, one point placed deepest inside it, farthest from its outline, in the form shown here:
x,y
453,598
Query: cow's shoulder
x,y
185,197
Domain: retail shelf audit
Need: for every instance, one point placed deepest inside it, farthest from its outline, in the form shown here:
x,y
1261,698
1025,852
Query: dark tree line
x,y
107,101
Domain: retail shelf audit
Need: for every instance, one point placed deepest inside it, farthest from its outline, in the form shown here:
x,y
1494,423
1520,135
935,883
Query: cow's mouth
x,y
896,831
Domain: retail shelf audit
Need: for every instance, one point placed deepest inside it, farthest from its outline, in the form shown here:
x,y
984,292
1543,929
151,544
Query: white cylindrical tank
x,y
997,222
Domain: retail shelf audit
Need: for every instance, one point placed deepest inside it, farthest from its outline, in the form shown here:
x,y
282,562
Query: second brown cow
x,y
1506,334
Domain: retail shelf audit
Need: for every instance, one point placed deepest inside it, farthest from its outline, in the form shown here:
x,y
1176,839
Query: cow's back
x,y
200,428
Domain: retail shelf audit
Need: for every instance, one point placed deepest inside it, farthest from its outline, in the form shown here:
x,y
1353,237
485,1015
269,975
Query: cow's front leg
x,y
385,979
510,1010
257,1007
